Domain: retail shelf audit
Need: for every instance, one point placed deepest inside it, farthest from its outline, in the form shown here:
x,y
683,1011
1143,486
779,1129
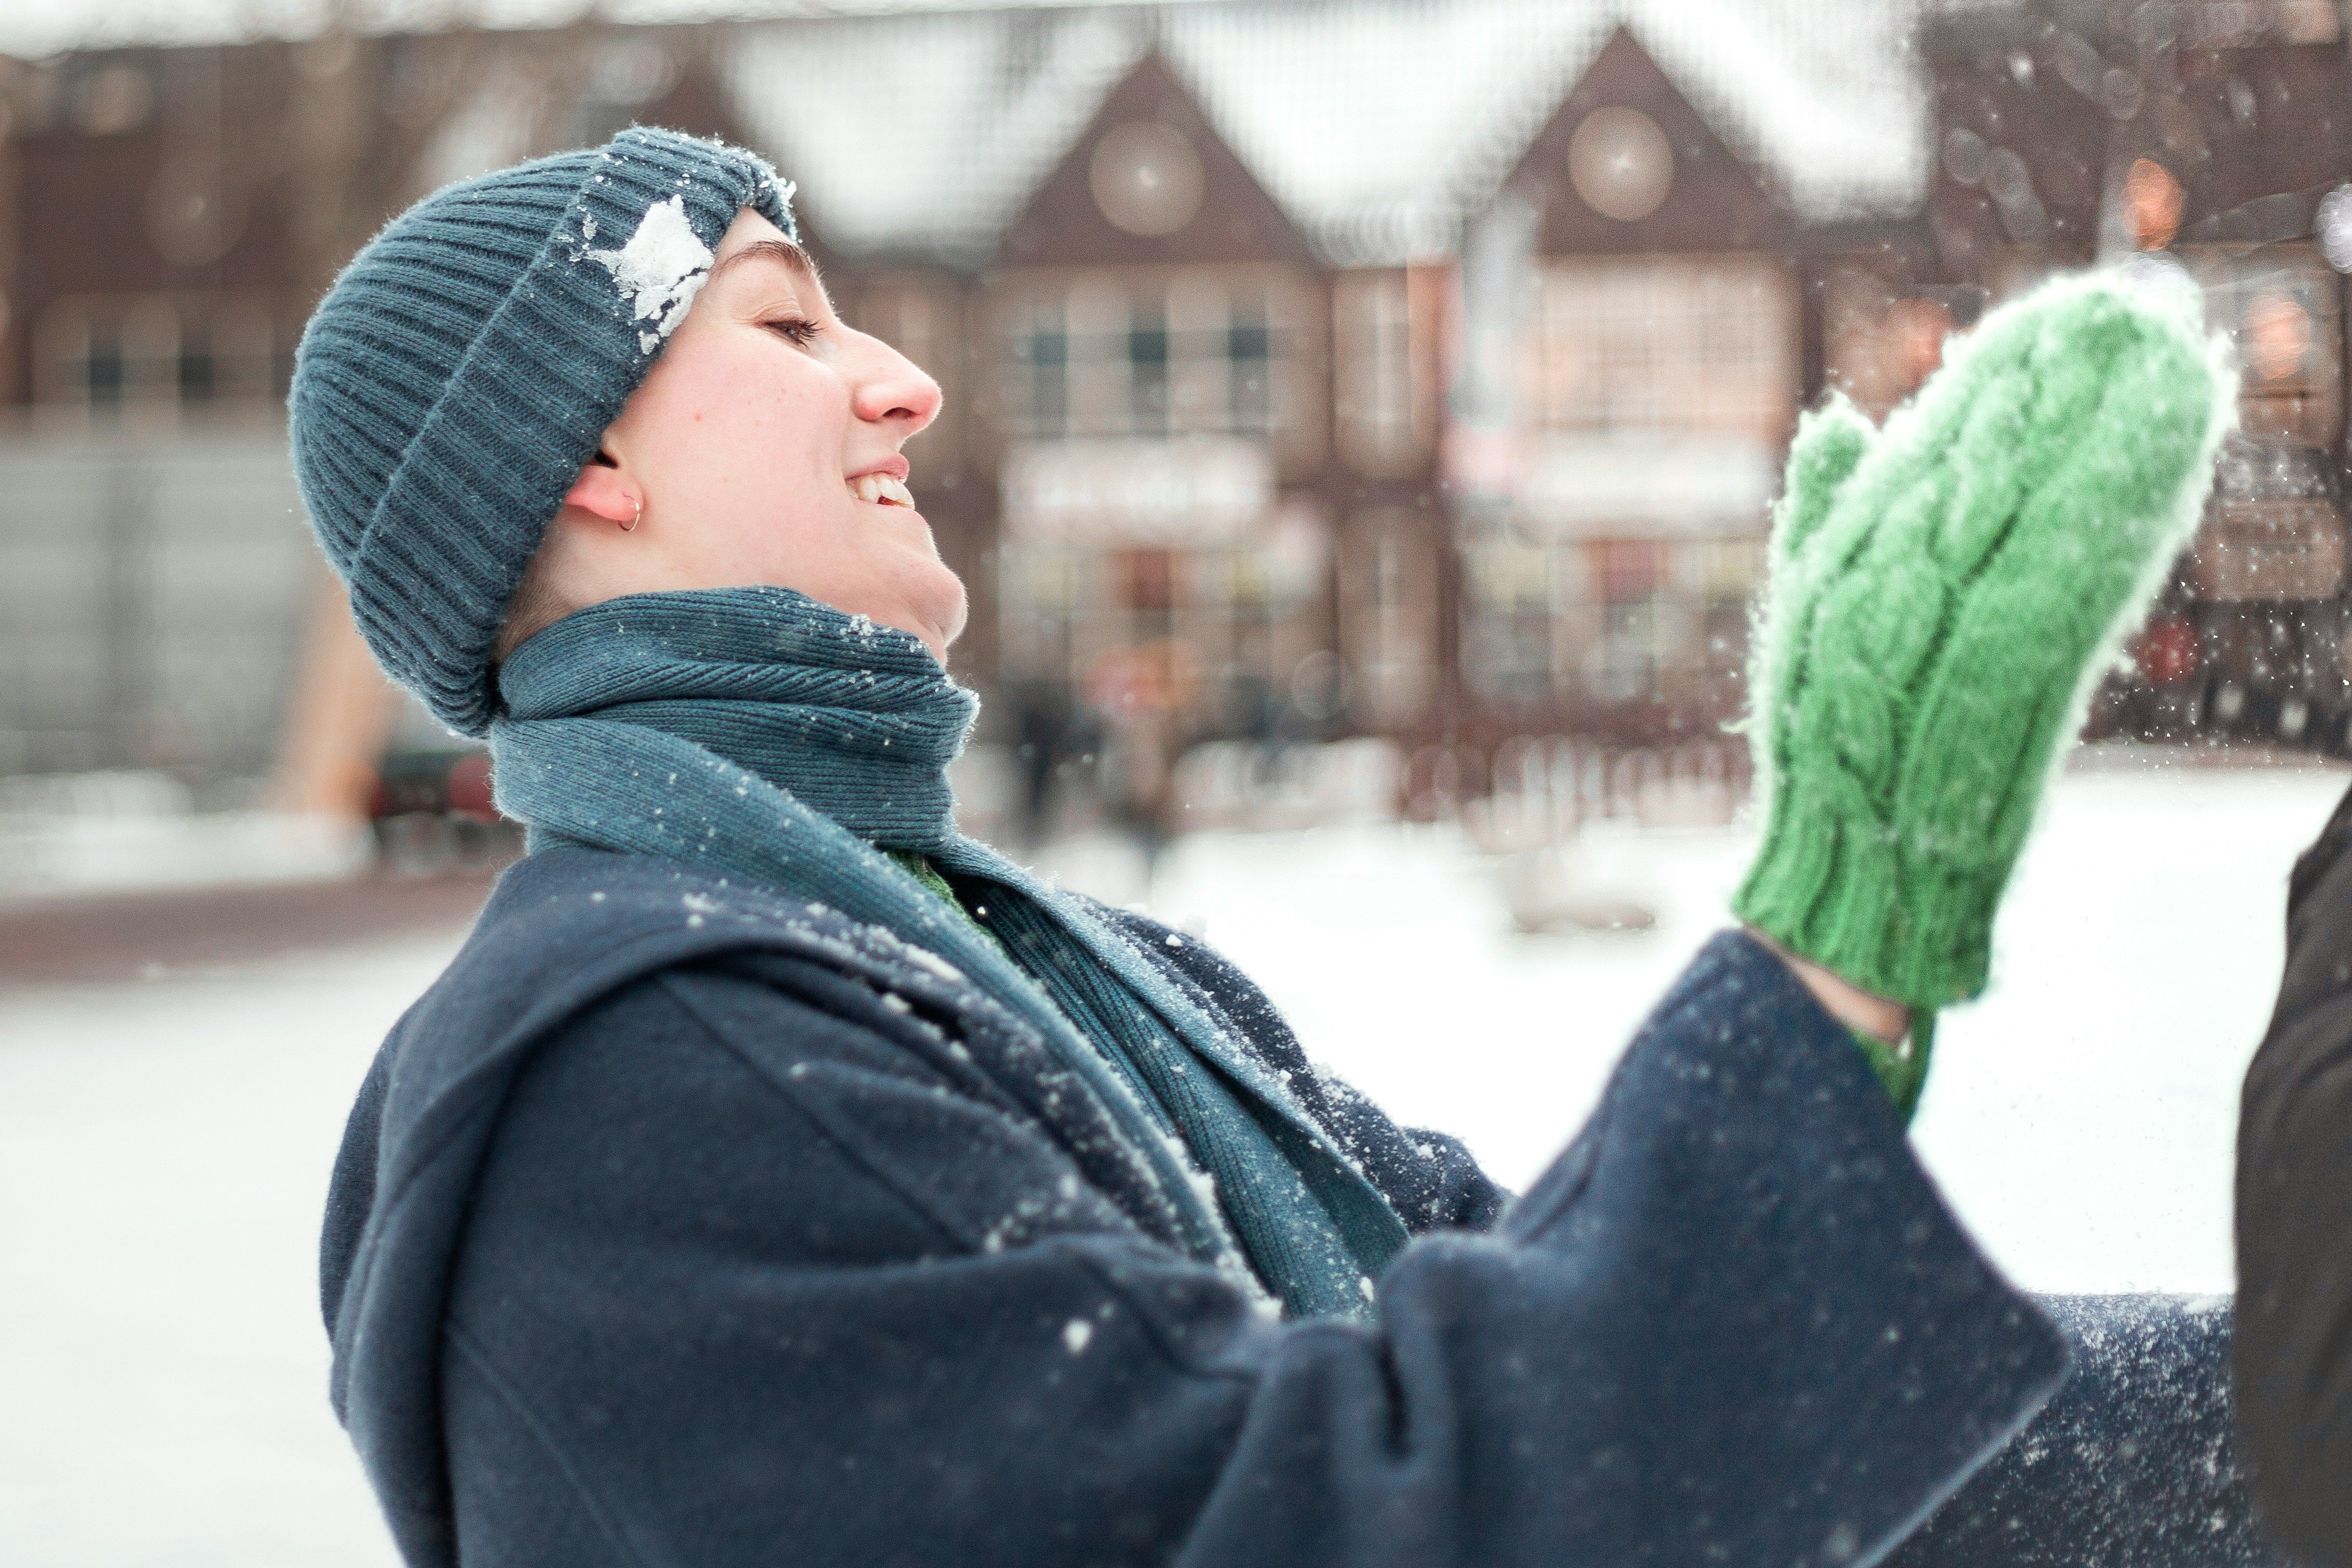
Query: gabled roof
x,y
1235,220
1376,123
1714,200
919,127
921,135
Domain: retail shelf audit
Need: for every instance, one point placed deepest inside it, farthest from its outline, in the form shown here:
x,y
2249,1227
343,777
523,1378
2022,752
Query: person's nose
x,y
893,390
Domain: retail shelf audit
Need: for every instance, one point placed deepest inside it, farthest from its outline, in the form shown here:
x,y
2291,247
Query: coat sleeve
x,y
744,1284
2294,1329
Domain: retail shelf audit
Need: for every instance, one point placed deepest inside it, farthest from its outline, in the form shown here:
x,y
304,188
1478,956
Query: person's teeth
x,y
881,489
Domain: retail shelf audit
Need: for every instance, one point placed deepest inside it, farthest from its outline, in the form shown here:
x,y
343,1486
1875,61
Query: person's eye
x,y
798,329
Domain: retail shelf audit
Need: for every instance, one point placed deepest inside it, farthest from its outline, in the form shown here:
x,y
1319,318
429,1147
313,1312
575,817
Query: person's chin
x,y
947,611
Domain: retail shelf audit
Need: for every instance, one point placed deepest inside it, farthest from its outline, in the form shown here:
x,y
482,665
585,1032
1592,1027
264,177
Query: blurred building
x,y
168,215
2214,143
1252,440
1616,458
1414,367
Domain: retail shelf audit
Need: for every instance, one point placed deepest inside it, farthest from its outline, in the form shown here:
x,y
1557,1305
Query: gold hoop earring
x,y
634,518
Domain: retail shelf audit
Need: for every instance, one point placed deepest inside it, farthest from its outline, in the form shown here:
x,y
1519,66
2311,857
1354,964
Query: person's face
x,y
764,447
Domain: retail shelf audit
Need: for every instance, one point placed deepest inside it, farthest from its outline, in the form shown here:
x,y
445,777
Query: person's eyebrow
x,y
781,251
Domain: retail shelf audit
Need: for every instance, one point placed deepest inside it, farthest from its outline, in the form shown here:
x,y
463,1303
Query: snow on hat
x,y
463,368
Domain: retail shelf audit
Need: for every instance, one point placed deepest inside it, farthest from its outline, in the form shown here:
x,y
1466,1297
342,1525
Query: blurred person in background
x,y
1047,733
2293,1341
1142,694
778,1171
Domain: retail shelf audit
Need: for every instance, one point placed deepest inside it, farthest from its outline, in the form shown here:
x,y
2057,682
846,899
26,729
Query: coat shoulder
x,y
566,927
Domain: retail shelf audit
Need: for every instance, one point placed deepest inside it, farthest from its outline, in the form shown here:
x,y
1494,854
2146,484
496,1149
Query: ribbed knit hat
x,y
463,368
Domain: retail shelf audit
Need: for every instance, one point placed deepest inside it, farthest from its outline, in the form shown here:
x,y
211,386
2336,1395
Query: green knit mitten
x,y
1943,596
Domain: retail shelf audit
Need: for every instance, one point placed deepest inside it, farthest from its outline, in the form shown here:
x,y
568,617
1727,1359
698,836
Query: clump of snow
x,y
935,963
659,271
1074,1335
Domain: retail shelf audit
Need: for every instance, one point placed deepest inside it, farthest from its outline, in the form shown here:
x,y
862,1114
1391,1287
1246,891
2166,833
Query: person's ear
x,y
601,490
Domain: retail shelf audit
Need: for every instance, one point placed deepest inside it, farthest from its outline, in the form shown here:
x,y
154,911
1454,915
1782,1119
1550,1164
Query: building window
x,y
1239,617
1603,623
1147,369
1387,586
96,374
1622,664
1374,328
1150,358
1880,343
1249,358
158,354
1705,343
1040,379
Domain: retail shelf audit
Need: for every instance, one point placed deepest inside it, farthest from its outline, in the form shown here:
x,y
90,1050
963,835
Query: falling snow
x,y
2103,1065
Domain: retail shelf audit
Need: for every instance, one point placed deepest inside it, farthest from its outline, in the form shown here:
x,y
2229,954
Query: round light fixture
x,y
194,216
2152,204
1146,178
1620,163
2332,225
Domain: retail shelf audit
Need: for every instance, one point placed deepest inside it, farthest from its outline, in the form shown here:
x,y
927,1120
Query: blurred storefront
x,y
1407,369
1618,473
2213,152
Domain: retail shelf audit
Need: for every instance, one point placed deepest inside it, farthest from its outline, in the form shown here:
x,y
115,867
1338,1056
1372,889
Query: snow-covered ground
x,y
164,1147
2081,1116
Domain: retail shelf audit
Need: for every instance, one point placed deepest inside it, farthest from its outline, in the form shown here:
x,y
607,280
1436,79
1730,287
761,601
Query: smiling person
x,y
779,1174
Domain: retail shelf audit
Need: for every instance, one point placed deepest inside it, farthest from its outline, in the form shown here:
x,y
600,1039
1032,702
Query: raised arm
x,y
743,1283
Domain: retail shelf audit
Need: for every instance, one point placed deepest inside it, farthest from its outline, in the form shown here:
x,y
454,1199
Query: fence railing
x,y
1531,790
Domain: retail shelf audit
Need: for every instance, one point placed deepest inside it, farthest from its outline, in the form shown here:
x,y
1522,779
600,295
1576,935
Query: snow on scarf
x,y
762,734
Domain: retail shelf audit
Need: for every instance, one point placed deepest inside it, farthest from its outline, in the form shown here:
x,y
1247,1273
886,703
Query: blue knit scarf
x,y
775,740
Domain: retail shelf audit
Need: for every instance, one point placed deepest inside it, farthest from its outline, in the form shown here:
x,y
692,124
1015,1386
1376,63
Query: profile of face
x,y
762,448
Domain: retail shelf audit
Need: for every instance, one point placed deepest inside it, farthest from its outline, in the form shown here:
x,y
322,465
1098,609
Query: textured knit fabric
x,y
463,368
761,734
1943,596
680,1220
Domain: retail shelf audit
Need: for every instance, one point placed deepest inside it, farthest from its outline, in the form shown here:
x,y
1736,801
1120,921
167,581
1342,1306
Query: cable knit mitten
x,y
1943,596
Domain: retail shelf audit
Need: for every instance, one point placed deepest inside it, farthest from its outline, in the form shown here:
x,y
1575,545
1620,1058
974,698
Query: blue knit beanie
x,y
463,368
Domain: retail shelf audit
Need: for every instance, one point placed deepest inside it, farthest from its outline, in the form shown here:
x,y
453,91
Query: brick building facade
x,y
1415,370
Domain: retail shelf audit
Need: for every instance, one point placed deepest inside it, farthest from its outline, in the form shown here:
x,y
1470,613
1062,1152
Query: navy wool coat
x,y
680,1225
